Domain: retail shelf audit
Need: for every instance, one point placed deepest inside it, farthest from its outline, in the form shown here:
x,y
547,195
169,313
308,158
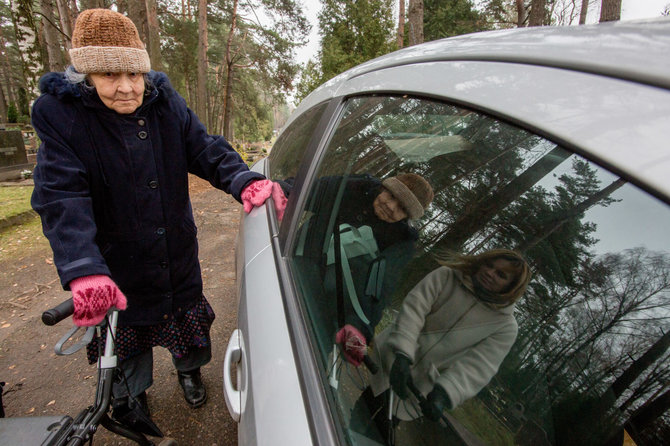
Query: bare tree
x,y
201,102
415,22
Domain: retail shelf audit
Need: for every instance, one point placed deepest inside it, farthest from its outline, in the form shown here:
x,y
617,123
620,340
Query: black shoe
x,y
195,393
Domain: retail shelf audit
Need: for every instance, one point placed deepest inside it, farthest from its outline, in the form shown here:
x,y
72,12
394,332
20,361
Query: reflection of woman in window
x,y
452,333
388,207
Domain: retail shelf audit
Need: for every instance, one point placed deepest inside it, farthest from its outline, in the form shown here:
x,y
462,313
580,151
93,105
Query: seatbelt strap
x,y
349,281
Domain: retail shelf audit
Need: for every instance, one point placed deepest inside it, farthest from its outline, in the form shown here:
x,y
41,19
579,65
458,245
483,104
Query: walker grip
x,y
58,313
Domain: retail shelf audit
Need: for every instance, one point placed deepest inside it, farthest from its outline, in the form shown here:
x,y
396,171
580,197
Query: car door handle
x,y
232,394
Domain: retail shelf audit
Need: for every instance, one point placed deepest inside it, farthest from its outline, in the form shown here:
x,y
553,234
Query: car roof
x,y
633,51
636,50
628,50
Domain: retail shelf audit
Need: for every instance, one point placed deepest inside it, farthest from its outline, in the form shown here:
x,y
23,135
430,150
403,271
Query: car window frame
x,y
325,429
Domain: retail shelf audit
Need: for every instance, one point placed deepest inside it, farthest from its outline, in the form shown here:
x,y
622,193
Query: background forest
x,y
235,60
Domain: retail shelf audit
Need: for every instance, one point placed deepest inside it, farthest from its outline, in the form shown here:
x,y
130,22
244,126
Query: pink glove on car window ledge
x,y
353,344
93,296
256,193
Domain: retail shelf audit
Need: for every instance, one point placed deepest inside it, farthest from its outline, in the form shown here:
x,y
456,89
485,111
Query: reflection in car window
x,y
287,152
578,356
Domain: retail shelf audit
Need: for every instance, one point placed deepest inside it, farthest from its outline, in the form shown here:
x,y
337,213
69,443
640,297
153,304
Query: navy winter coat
x,y
112,192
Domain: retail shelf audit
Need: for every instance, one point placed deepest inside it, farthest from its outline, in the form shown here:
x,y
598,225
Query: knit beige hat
x,y
104,41
412,190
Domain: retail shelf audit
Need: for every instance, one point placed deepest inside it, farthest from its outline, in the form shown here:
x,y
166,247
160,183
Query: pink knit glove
x,y
353,344
93,296
256,193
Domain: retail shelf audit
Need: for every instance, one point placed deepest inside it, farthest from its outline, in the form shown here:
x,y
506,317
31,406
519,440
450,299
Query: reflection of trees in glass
x,y
591,352
591,355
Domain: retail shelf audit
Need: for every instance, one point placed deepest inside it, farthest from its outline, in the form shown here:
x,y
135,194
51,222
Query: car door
x,y
262,387
598,298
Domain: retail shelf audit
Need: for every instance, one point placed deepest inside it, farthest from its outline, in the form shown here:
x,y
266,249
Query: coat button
x,y
141,122
164,265
160,231
142,134
153,184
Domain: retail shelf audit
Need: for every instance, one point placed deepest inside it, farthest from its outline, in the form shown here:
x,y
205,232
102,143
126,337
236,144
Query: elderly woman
x,y
452,333
389,207
111,187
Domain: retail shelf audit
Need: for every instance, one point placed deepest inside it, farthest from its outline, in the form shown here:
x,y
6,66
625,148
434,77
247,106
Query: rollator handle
x,y
58,313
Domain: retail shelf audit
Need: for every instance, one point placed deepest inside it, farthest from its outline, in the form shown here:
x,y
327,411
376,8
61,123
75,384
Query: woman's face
x,y
495,275
122,92
388,208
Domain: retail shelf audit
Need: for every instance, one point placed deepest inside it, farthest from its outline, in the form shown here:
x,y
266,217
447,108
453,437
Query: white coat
x,y
453,339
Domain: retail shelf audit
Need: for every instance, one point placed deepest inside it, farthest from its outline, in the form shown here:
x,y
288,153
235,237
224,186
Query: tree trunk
x,y
154,43
90,4
480,214
649,412
28,44
639,365
401,24
549,228
227,127
74,11
537,12
584,11
610,10
415,22
137,12
66,20
201,101
52,37
7,73
521,13
3,105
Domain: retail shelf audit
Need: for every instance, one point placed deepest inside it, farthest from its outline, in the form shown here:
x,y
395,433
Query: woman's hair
x,y
470,264
76,78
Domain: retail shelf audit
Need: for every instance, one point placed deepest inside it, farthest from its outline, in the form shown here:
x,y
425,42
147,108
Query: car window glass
x,y
287,152
578,358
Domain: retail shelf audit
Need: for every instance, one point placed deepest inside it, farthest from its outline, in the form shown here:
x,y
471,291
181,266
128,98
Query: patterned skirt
x,y
178,336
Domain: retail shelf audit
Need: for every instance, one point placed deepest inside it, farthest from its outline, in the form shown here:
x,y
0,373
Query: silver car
x,y
550,142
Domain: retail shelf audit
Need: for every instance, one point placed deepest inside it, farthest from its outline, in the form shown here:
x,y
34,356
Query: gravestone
x,y
13,158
